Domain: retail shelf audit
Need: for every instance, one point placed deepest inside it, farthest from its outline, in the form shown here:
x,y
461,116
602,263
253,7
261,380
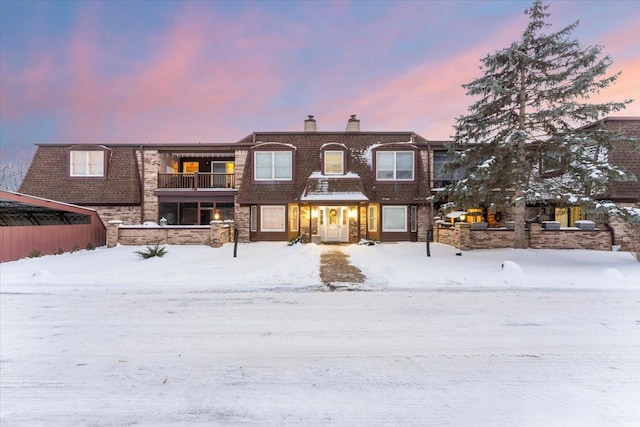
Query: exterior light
x,y
216,215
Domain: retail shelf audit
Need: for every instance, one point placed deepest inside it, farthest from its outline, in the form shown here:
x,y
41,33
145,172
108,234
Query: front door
x,y
333,224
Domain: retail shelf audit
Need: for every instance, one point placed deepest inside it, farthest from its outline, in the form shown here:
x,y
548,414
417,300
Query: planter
x,y
479,225
551,225
586,225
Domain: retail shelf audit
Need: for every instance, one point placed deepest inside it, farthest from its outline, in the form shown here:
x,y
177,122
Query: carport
x,y
30,225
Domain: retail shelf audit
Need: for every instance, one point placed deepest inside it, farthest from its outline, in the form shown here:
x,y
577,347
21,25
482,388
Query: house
x,y
328,186
335,186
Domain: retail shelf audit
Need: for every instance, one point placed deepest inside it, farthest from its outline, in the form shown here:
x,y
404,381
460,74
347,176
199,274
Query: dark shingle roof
x,y
48,177
307,165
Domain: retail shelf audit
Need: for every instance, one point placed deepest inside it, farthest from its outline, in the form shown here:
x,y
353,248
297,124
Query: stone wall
x,y
464,238
216,234
491,238
569,239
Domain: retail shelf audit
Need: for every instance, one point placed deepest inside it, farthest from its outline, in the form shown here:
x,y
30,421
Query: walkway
x,y
337,273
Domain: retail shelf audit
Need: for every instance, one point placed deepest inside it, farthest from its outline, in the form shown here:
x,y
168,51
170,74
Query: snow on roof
x,y
355,196
319,175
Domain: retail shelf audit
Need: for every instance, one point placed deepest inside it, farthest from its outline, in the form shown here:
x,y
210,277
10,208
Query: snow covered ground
x,y
501,337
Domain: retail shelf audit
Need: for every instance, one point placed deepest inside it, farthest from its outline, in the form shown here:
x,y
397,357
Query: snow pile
x,y
271,265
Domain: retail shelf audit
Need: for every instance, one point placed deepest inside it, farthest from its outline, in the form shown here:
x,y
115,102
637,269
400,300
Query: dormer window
x,y
87,163
334,162
273,166
395,165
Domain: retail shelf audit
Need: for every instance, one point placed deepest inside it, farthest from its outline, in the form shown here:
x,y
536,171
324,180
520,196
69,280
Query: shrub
x,y
153,251
58,251
299,239
90,246
367,242
76,248
34,254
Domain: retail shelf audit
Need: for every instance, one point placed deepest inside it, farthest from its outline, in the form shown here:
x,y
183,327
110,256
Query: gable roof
x,y
357,184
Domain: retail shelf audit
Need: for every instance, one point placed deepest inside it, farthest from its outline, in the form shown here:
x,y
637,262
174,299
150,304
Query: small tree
x,y
524,139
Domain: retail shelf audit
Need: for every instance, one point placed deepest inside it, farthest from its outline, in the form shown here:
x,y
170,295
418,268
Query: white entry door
x,y
333,224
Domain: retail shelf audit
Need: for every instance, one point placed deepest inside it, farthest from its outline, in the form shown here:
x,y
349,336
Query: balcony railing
x,y
196,180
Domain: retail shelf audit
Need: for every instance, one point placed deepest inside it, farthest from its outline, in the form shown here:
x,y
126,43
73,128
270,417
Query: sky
x,y
215,71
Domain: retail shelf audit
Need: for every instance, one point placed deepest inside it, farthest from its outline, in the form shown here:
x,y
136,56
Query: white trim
x,y
75,159
273,166
395,166
341,152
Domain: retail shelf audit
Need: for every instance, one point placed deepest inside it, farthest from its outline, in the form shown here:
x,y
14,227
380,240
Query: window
x,y
394,218
334,162
293,218
272,218
414,219
372,219
394,166
86,163
273,166
254,218
443,178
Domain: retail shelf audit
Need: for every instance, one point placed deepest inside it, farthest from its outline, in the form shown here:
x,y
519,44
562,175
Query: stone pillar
x,y
216,233
424,222
151,161
535,235
463,232
113,228
243,222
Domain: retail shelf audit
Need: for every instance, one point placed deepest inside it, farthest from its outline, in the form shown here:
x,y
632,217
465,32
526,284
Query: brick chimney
x,y
310,124
353,125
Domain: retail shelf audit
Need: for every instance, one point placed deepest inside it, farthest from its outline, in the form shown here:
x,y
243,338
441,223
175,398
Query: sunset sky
x,y
215,71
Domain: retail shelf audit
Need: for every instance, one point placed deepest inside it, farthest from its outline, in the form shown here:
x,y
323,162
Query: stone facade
x,y
243,221
126,214
150,179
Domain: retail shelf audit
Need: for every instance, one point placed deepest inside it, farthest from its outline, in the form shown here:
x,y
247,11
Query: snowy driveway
x,y
116,356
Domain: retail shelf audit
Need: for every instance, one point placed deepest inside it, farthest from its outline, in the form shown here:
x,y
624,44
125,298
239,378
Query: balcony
x,y
196,181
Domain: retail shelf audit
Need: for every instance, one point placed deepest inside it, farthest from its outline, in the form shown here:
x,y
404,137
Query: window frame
x,y
372,219
87,163
414,219
394,171
440,177
385,215
283,218
253,220
273,165
294,215
324,162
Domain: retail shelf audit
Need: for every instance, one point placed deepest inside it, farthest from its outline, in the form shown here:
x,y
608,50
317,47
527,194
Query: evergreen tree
x,y
524,140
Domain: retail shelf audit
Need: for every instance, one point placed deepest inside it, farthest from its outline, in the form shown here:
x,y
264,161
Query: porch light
x,y
216,215
353,213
